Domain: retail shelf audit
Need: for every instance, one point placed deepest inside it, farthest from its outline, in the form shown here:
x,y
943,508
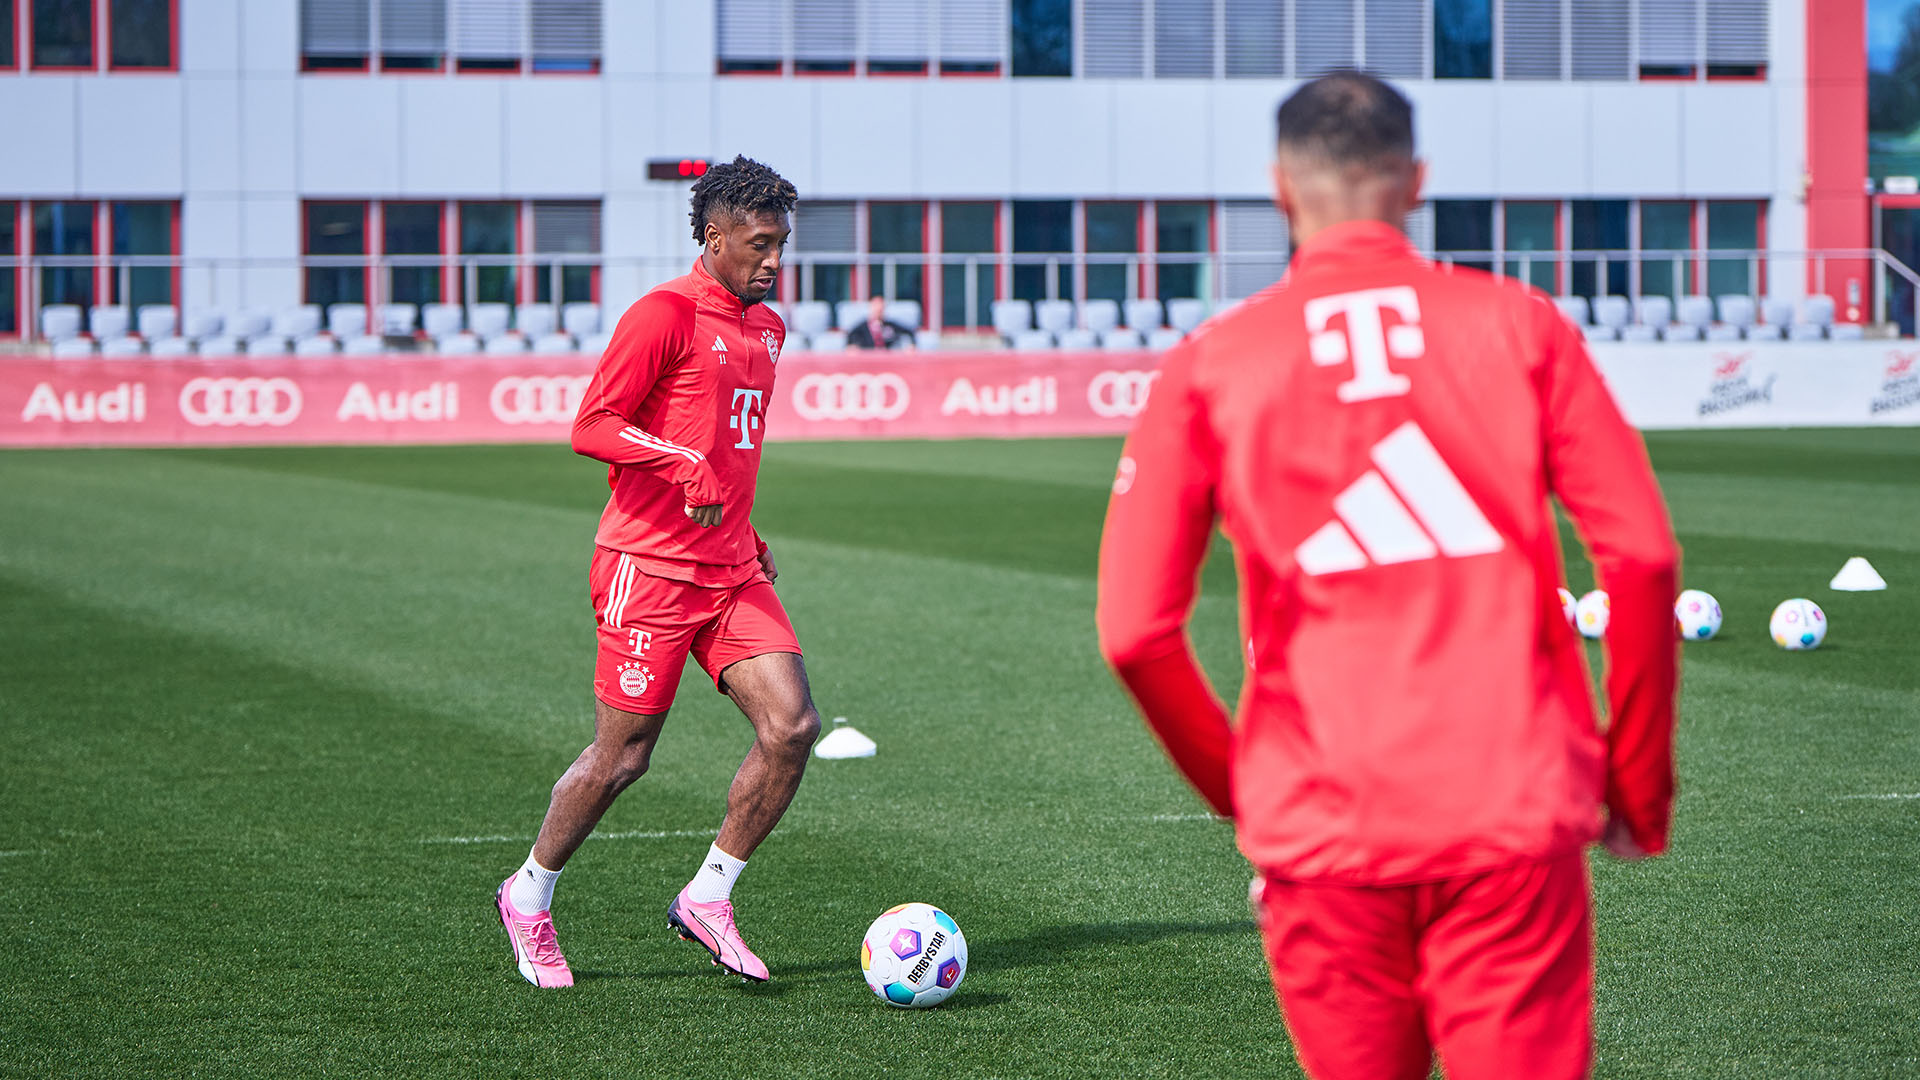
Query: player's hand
x,y
705,516
1619,841
766,565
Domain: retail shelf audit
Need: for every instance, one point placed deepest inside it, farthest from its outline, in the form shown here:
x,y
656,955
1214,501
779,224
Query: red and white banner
x,y
408,399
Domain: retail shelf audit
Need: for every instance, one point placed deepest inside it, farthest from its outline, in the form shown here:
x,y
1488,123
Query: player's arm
x,y
1159,524
1597,465
653,337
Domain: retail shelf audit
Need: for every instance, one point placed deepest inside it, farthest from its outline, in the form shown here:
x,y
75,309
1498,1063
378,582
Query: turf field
x,y
274,723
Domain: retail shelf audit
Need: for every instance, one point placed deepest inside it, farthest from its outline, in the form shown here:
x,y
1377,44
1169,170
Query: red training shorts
x,y
647,625
1494,970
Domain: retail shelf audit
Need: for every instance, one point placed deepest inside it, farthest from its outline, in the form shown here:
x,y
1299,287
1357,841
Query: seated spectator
x,y
877,332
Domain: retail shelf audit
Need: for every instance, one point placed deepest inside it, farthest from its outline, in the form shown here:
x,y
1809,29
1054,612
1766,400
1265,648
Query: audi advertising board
x,y
846,396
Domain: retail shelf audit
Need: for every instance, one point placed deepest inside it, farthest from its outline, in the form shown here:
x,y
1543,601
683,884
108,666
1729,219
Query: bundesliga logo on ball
x,y
1697,614
913,956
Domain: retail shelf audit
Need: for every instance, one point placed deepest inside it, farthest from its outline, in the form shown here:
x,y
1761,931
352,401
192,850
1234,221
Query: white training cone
x,y
843,742
1857,576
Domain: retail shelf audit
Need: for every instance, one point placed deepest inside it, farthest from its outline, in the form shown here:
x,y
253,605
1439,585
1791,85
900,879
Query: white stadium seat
x,y
123,346
580,318
848,314
73,348
1100,316
1010,317
317,345
553,344
1143,314
1575,309
1817,310
1737,310
296,322
1185,313
811,317
489,321
1776,311
170,348
904,313
1612,312
1846,331
1164,338
1033,340
1724,332
110,321
1077,338
535,320
397,319
828,341
347,320
1124,338
441,320
364,345
267,345
1804,331
1053,316
462,344
595,344
58,322
220,345
1600,333
926,341
250,324
202,324
505,345
155,321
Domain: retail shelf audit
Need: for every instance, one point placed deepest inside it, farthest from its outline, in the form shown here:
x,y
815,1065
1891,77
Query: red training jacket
x,y
676,408
1378,437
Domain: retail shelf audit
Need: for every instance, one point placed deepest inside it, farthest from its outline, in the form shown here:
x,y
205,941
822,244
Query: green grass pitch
x,y
274,723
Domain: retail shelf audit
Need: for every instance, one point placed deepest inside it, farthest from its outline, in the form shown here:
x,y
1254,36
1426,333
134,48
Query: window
x,y
412,240
1043,37
490,230
1599,225
898,229
140,35
1669,38
566,36
825,228
967,284
1113,229
1182,228
143,230
1463,39
1254,244
413,35
1733,226
1736,38
1463,225
823,32
1183,38
488,35
1600,39
749,35
1256,41
9,35
335,35
63,235
420,35
1528,227
1530,45
1665,227
973,36
570,229
9,277
1322,37
62,33
1113,39
1043,227
334,229
889,37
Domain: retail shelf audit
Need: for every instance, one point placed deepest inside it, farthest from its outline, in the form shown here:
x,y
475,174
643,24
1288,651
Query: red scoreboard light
x,y
677,168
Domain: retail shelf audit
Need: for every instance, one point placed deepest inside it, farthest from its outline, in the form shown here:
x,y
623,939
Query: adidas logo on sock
x,y
1408,508
716,868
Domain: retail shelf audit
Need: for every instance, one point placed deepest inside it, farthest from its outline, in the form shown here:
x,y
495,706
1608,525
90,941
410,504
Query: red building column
x,y
1839,207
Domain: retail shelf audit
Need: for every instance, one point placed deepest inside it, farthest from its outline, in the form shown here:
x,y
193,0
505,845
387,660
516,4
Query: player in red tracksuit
x,y
675,409
1416,765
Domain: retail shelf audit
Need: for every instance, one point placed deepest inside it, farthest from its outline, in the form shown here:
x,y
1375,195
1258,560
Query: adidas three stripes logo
x,y
1409,507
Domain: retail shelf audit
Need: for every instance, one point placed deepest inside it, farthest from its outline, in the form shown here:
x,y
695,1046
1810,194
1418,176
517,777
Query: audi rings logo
x,y
538,399
229,401
851,397
1120,393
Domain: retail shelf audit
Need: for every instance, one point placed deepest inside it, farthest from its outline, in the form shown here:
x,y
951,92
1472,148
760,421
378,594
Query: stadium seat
x,y
1080,339
156,321
580,318
461,344
1737,310
58,322
1804,331
489,321
553,343
250,324
168,348
1033,340
317,345
397,319
811,317
1815,318
123,346
926,341
267,345
1143,314
1100,316
1612,312
1123,338
1185,313
203,323
1846,331
535,320
1053,316
595,344
1654,312
1776,311
1694,311
904,313
441,320
72,348
828,341
1164,338
364,345
220,345
1575,309
109,321
848,314
296,322
347,320
1724,332
505,345
1600,333
1010,317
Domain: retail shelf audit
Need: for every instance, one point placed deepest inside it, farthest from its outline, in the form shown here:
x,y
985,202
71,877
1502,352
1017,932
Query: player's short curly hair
x,y
737,187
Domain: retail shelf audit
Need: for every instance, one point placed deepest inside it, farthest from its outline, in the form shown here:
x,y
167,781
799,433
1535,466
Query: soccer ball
x,y
1567,604
1591,614
1698,615
913,956
1798,624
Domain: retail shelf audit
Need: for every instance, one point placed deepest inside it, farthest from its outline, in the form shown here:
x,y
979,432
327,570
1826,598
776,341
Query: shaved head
x,y
1344,152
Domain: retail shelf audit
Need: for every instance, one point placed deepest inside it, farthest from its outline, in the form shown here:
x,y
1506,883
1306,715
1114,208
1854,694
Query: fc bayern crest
x,y
772,342
634,679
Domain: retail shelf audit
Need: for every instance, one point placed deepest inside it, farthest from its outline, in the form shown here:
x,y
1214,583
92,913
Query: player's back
x,y
1416,705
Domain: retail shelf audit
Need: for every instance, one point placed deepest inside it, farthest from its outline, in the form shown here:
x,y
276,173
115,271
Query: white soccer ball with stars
x,y
1798,624
1697,614
1592,613
913,956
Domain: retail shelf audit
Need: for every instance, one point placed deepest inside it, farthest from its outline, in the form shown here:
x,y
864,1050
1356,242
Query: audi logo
x,y
1120,393
851,397
538,399
240,402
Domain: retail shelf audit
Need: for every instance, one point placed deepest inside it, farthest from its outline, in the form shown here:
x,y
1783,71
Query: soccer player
x,y
1416,766
675,409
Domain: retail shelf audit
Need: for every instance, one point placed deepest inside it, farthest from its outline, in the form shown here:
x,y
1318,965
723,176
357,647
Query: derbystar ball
x,y
913,956
1697,614
1567,605
1591,614
1798,624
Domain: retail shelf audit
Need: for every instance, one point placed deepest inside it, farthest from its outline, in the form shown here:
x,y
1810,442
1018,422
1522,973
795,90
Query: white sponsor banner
x,y
1763,384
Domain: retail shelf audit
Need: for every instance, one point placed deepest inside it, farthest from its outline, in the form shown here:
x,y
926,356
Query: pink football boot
x,y
535,948
710,926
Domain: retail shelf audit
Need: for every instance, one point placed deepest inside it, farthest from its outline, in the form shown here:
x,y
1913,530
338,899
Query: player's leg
x,y
622,746
1507,963
1344,966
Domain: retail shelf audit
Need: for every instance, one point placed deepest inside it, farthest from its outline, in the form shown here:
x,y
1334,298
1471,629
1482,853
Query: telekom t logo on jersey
x,y
746,404
1368,342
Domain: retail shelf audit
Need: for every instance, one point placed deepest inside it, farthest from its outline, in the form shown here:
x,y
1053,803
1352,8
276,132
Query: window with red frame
x,y
62,35
333,230
468,36
88,253
9,275
9,35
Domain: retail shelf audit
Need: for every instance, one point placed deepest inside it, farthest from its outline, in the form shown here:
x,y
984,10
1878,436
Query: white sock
x,y
715,880
532,888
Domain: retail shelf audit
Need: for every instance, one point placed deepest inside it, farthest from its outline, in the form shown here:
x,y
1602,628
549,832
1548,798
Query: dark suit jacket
x,y
892,336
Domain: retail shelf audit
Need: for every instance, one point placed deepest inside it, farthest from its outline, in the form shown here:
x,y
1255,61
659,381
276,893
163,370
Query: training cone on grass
x,y
843,742
1857,576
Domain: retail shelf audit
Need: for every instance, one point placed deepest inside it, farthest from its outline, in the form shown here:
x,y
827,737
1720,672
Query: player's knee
x,y
797,731
629,765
